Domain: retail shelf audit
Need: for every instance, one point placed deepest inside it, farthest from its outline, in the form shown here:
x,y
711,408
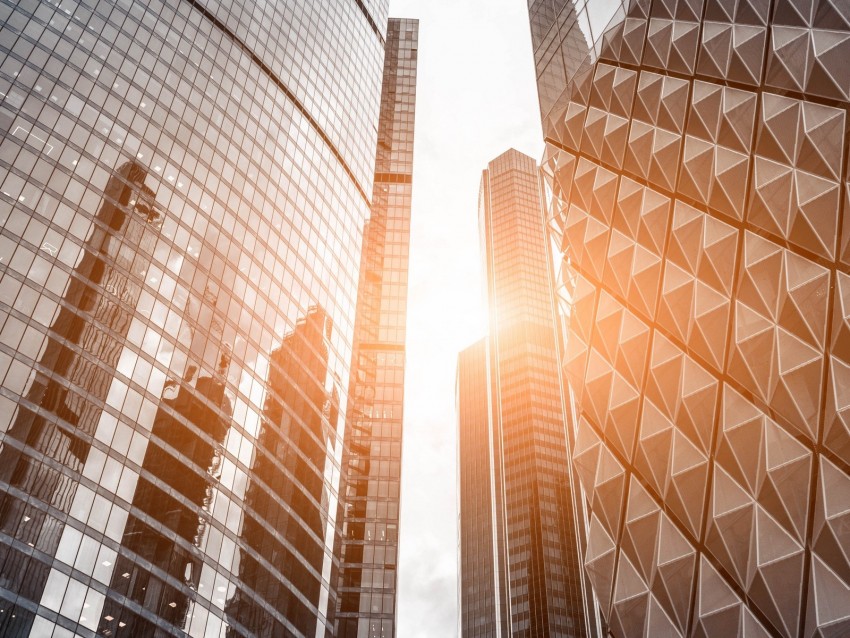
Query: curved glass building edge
x,y
703,280
181,210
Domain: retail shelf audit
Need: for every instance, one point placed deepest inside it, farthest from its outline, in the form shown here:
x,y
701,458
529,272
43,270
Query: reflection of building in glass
x,y
300,410
696,160
159,567
368,546
180,184
538,584
46,448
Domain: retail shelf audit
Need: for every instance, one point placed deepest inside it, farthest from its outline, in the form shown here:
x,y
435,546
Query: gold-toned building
x,y
530,582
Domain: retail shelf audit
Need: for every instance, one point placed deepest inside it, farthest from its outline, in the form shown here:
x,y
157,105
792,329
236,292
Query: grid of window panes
x,y
181,208
541,549
372,461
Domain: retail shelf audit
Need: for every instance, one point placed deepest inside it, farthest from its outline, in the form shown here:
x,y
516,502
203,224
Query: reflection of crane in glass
x,y
62,408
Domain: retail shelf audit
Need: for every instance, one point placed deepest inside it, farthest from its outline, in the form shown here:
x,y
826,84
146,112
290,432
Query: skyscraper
x,y
483,609
696,161
183,193
368,545
536,565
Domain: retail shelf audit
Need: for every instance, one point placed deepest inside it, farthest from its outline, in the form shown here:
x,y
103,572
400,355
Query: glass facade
x,y
536,547
482,614
368,546
696,167
183,192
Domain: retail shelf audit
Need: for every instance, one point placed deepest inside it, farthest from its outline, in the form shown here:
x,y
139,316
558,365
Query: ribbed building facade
x,y
368,545
183,192
534,543
696,163
480,596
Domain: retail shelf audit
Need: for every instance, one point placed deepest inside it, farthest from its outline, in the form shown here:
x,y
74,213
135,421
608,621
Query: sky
x,y
476,98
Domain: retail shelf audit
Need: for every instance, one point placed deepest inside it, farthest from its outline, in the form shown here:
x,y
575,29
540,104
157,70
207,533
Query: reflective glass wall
x,y
696,160
183,188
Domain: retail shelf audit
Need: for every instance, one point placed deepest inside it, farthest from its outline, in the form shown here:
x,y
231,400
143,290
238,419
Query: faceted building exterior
x,y
696,167
368,546
537,570
183,191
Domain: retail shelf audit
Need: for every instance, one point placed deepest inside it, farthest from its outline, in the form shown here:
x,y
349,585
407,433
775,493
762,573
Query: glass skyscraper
x,y
483,611
183,193
530,528
697,182
368,546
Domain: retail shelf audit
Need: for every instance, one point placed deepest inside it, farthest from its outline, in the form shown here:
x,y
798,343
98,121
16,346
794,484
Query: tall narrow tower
x,y
483,609
536,551
368,547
